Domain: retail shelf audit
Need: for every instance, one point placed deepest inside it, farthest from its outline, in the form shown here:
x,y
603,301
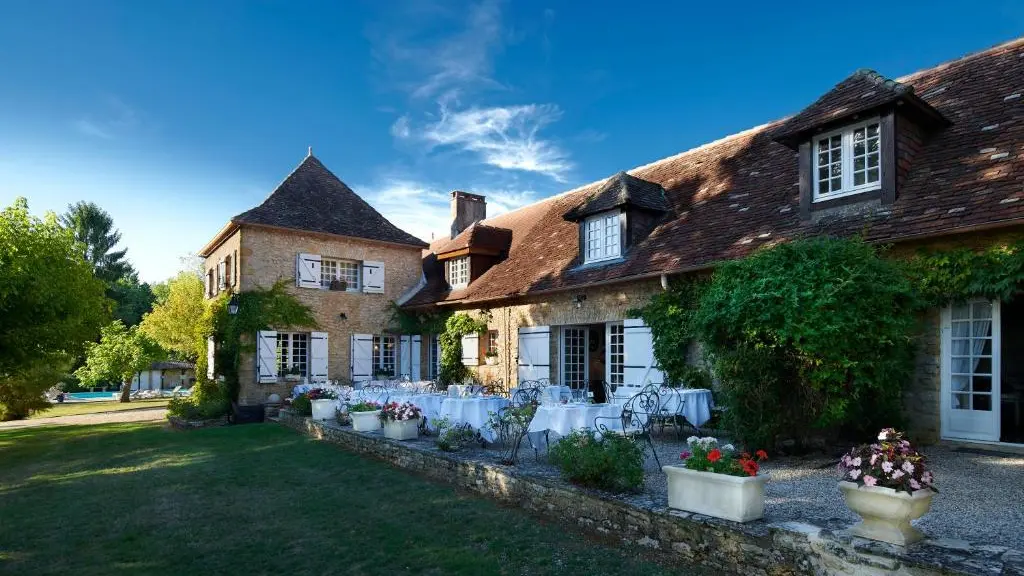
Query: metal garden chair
x,y
638,417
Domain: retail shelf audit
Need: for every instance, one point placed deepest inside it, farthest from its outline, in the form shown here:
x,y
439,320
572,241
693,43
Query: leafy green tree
x,y
50,301
94,228
120,354
174,321
21,391
133,299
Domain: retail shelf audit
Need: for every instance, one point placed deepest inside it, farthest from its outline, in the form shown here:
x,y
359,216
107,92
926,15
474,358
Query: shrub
x,y
302,405
363,407
207,401
612,462
809,337
454,437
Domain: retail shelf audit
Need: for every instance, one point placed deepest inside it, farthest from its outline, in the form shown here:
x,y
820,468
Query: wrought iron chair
x,y
376,393
525,396
670,412
495,388
579,390
638,417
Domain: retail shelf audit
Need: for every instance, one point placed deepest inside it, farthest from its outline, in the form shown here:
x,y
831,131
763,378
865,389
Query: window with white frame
x,y
601,238
848,161
574,356
292,353
434,357
616,353
384,356
457,272
332,269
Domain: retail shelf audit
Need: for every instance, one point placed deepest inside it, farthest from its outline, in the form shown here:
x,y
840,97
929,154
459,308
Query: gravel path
x,y
140,415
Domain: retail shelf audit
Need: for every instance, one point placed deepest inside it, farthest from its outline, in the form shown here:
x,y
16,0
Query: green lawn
x,y
256,499
75,408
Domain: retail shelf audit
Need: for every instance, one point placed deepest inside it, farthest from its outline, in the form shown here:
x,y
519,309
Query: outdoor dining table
x,y
696,402
549,394
558,420
475,411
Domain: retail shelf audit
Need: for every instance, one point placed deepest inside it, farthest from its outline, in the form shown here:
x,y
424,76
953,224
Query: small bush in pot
x,y
887,484
612,462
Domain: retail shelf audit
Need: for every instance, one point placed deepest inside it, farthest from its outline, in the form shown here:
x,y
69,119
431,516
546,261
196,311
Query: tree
x,y
120,354
174,320
94,228
50,301
133,299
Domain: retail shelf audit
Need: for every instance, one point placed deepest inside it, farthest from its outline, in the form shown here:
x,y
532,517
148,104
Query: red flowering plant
x,y
892,462
322,394
399,412
706,455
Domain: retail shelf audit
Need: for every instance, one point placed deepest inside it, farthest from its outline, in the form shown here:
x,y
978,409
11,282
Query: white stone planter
x,y
402,430
736,498
365,421
886,513
324,409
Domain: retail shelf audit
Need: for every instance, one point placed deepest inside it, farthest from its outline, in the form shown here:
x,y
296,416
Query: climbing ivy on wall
x,y
943,276
670,315
418,321
456,326
258,309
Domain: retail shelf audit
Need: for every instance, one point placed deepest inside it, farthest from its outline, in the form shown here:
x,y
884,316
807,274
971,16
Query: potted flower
x,y
887,484
293,374
717,481
491,358
364,416
325,403
338,285
401,421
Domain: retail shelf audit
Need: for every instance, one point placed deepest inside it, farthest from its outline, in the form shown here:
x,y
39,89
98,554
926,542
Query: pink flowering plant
x,y
322,394
892,462
399,412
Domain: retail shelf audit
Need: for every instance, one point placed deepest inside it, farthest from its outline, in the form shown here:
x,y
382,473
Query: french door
x,y
575,365
971,345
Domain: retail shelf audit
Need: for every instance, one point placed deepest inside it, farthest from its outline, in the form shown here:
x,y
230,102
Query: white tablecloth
x,y
561,419
472,411
696,402
462,390
549,394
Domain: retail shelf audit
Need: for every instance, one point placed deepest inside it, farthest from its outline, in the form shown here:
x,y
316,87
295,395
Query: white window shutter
x,y
307,271
266,356
405,357
471,350
362,357
318,353
640,367
211,350
415,357
222,279
373,277
534,358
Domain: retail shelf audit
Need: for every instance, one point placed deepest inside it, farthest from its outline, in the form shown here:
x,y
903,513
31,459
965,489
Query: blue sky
x,y
174,116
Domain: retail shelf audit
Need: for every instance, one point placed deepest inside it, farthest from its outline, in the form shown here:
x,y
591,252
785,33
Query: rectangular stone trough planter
x,y
365,421
402,430
736,498
324,409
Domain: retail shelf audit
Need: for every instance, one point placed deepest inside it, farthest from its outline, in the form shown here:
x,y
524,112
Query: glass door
x,y
574,356
970,370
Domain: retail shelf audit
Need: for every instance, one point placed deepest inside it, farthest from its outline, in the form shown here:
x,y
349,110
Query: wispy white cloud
x,y
505,137
115,119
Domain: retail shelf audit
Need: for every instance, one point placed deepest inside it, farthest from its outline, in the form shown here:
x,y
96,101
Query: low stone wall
x,y
757,548
182,424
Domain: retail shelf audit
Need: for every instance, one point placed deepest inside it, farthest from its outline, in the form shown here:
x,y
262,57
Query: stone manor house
x,y
933,159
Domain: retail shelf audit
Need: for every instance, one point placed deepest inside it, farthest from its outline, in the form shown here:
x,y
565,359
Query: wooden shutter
x,y
307,271
373,277
534,358
471,350
222,279
211,352
405,357
640,367
415,355
266,356
318,352
362,357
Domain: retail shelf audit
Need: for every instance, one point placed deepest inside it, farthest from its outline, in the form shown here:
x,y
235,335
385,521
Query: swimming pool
x,y
91,395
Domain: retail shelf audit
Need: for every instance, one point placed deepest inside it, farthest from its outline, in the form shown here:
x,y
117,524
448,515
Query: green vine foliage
x,y
258,309
456,326
955,275
418,321
670,315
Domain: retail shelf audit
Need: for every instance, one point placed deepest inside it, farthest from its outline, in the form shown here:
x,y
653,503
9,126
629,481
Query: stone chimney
x,y
467,209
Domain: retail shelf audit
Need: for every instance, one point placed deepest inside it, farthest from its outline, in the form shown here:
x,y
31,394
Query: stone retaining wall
x,y
757,548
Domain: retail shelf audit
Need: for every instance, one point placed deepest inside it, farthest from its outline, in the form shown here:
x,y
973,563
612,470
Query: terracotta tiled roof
x,y
737,194
620,190
477,236
312,198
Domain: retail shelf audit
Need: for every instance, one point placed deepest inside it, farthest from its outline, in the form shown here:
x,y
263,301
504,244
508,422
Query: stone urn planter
x,y
736,498
324,409
886,513
402,429
365,421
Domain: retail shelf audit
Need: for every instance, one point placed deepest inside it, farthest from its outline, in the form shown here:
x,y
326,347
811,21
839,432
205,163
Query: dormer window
x,y
602,239
848,161
457,272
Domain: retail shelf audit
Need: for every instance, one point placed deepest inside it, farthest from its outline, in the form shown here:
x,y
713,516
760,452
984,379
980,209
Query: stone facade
x,y
230,252
757,548
267,255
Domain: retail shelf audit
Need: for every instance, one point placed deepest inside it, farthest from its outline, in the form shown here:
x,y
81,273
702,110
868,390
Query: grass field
x,y
76,408
255,499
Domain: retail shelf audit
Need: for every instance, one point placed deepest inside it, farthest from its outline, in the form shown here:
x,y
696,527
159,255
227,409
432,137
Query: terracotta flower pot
x,y
886,513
